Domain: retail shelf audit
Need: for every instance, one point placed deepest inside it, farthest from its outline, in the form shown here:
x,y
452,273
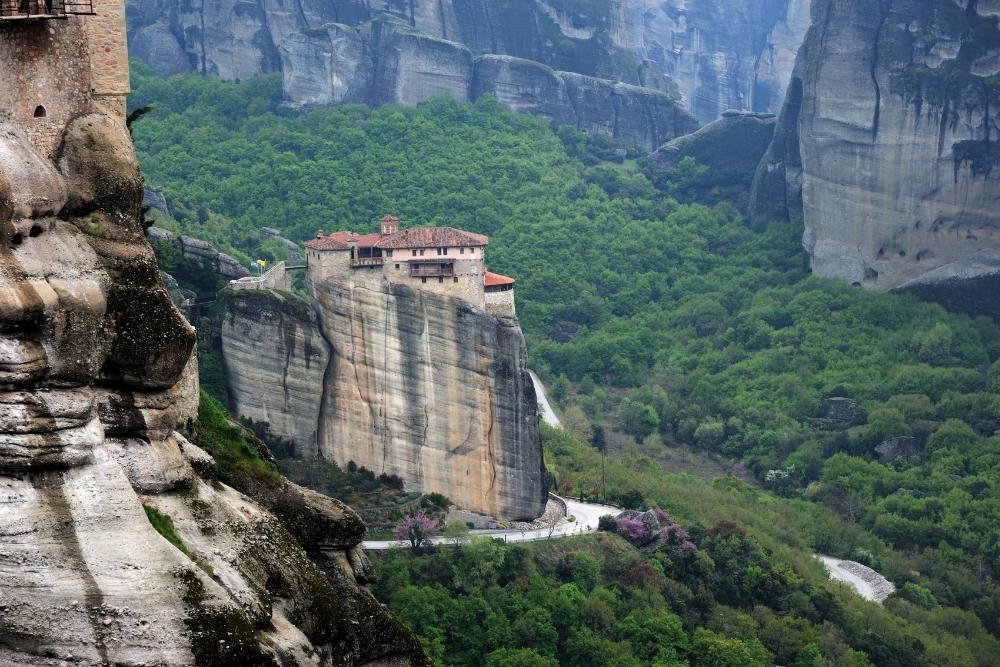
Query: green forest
x,y
659,315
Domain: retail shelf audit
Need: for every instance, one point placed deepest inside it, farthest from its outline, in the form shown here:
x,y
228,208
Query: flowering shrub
x,y
632,529
415,529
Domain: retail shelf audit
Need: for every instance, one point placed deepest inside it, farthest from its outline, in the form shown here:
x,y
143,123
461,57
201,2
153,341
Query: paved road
x,y
585,517
549,415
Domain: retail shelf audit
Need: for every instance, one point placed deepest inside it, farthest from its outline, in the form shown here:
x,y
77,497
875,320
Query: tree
x,y
456,530
416,529
519,657
709,649
637,419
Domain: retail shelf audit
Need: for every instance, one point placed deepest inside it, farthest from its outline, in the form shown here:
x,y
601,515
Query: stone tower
x,y
60,59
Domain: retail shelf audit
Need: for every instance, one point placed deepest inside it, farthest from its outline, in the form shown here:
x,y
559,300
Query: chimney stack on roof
x,y
390,224
319,234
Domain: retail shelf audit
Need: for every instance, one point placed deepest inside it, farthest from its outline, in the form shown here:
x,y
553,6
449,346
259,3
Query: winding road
x,y
584,520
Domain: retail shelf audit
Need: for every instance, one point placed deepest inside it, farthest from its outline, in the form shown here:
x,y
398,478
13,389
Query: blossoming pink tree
x,y
416,529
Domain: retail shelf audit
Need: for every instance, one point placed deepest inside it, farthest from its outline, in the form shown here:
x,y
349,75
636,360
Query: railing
x,y
446,271
368,261
13,10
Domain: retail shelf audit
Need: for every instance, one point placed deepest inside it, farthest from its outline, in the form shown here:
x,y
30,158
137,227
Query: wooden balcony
x,y
37,10
367,261
432,270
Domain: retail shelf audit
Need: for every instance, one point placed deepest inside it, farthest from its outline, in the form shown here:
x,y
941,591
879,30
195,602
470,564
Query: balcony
x,y
35,10
367,261
432,270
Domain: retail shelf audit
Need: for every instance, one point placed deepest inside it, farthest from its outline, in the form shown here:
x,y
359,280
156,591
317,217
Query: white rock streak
x,y
868,583
549,415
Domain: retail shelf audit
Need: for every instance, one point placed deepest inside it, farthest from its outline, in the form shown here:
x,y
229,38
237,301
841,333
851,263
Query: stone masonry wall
x,y
61,69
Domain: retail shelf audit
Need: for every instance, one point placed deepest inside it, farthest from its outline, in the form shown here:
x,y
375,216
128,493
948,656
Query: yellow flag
x,y
262,263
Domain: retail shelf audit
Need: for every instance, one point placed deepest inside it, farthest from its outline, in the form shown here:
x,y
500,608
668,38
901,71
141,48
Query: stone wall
x,y
55,70
501,304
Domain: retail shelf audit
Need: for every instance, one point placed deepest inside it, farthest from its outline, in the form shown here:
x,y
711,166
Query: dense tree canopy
x,y
659,319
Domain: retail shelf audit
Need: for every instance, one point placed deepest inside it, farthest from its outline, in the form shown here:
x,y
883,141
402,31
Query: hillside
x,y
668,322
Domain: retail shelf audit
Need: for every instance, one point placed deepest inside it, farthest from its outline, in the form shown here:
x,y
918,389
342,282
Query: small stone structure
x,y
276,278
443,260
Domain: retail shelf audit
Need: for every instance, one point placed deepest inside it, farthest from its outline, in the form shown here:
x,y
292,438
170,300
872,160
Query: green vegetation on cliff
x,y
668,322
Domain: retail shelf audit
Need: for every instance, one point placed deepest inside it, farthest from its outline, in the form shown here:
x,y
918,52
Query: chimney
x,y
319,234
390,224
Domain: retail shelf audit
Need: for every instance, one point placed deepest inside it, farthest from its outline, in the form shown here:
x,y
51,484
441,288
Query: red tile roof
x,y
433,237
418,237
495,279
326,243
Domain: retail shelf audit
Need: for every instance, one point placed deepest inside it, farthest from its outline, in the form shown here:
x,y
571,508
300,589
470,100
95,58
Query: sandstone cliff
x,y
399,381
95,374
887,145
717,54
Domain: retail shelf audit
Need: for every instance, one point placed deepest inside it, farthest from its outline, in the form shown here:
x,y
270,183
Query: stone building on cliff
x,y
443,260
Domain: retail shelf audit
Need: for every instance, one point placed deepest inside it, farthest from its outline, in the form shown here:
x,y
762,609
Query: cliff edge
x,y
398,380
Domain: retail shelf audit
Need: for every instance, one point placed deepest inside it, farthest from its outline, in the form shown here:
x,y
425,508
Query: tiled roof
x,y
418,237
495,279
326,243
433,237
342,241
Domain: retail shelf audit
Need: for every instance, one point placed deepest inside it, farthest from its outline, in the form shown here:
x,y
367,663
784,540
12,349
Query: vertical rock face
x,y
887,145
715,54
416,384
722,54
276,360
96,372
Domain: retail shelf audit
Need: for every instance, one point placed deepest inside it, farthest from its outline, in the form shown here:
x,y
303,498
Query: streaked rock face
x,y
887,146
714,54
411,383
96,372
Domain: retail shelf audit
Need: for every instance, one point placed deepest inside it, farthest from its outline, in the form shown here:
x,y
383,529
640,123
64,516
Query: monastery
x,y
443,260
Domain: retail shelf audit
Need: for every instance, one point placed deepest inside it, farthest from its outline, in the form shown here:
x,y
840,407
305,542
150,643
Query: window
x,y
414,253
455,279
472,250
389,253
421,252
462,251
423,280
440,279
397,266
40,111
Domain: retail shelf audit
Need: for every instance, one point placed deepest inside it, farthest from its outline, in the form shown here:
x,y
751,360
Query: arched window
x,y
40,111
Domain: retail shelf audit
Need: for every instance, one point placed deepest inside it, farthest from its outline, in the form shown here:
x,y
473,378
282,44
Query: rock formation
x,y
731,147
96,372
887,146
202,252
716,54
400,381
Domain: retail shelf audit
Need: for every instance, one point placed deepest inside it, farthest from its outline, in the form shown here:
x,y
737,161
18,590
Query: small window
x,y
421,252
414,253
472,250
389,253
455,279
423,280
440,279
40,112
397,266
